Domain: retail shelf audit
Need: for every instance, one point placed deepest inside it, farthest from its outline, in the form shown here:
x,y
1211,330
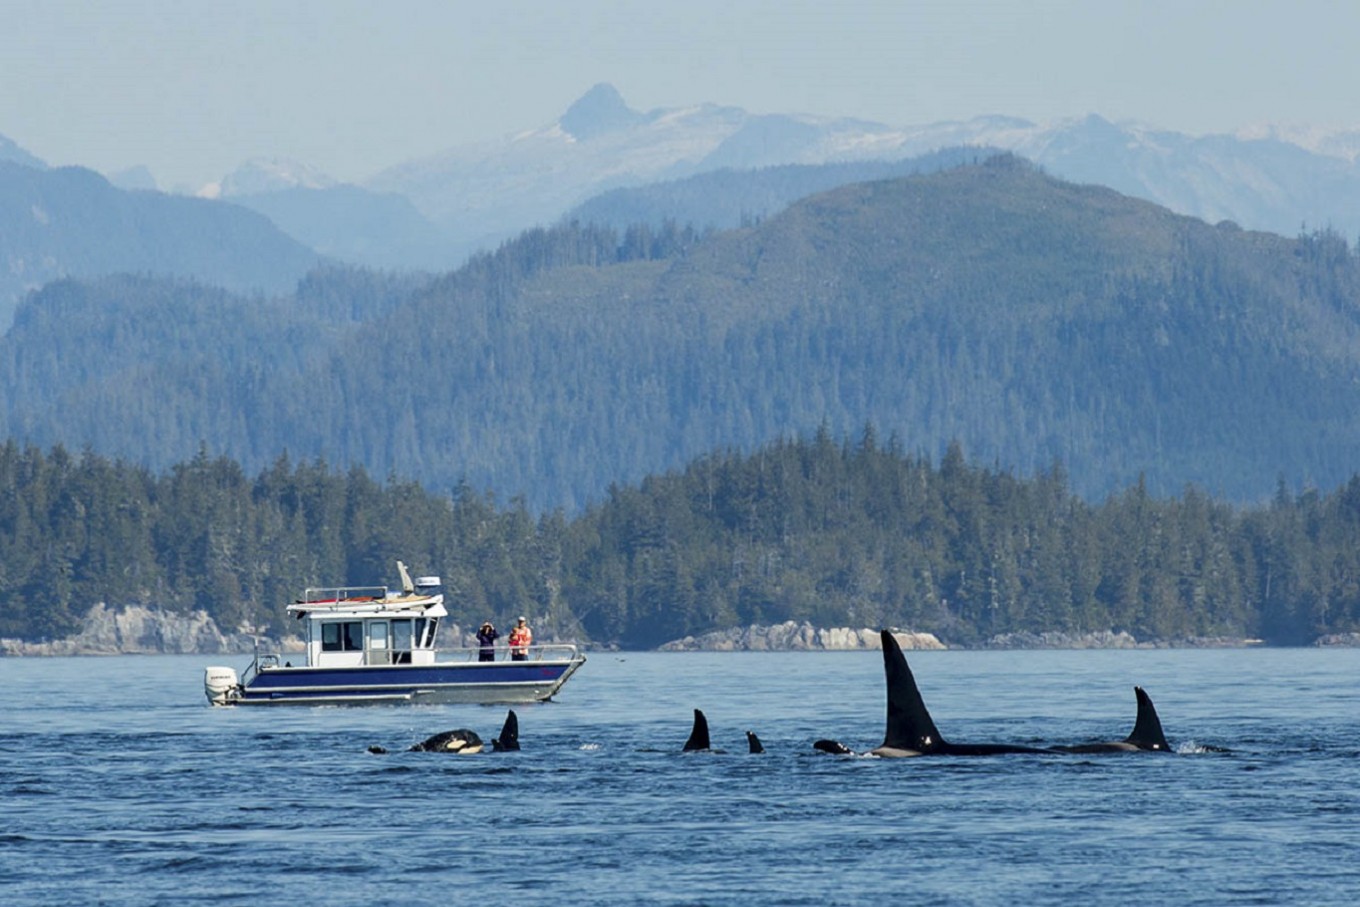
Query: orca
x,y
508,740
699,742
1147,733
911,731
698,737
465,742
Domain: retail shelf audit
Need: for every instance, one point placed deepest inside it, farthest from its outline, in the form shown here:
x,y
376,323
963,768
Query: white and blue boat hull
x,y
502,682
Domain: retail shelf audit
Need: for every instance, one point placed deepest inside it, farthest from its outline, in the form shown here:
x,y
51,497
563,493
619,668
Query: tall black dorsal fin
x,y
1147,728
698,738
509,737
909,724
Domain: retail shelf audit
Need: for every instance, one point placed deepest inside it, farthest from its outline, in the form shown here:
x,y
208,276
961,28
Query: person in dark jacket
x,y
486,638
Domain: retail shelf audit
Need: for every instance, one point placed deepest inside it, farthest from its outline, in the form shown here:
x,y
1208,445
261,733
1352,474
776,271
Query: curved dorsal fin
x,y
698,738
1147,727
509,737
909,723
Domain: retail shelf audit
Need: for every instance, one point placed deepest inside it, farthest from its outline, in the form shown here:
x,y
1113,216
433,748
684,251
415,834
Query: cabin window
x,y
377,634
347,636
401,641
425,631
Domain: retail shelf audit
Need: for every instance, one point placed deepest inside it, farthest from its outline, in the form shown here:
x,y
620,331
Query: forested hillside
x,y
837,533
1029,319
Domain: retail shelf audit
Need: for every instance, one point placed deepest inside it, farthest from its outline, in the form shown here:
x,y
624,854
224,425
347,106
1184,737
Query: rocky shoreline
x,y
795,637
139,630
792,636
1106,639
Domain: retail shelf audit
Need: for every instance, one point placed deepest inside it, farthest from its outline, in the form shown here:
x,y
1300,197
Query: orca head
x,y
835,747
754,742
698,737
462,741
910,727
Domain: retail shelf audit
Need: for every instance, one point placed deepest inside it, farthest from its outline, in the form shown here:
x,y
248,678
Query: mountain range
x,y
1030,319
703,278
432,213
1268,178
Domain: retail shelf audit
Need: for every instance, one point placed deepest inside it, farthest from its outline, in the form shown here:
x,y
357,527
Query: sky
x,y
193,89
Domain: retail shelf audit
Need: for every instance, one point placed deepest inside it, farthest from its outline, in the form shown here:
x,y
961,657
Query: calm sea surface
x,y
121,786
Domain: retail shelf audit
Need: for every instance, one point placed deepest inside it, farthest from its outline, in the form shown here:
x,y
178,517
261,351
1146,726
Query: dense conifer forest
x,y
857,532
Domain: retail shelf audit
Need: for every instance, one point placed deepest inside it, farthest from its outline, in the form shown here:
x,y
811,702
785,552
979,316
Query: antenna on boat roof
x,y
406,585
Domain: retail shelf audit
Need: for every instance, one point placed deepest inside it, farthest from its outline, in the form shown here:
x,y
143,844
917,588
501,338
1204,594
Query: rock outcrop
x,y
794,636
139,630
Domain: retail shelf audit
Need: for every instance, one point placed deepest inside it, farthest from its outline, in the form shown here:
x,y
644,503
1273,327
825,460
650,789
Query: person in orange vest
x,y
520,639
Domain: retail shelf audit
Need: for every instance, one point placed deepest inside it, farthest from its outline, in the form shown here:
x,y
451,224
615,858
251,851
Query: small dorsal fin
x,y
753,742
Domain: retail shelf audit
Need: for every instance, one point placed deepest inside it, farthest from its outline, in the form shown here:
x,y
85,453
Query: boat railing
x,y
338,594
261,661
548,652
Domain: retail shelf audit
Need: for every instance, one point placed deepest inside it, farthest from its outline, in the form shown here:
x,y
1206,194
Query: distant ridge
x,y
733,198
12,153
71,222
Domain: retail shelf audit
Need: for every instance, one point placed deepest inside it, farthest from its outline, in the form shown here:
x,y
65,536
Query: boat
x,y
370,645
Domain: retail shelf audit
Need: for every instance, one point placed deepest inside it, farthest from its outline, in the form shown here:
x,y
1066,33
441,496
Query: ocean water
x,y
121,786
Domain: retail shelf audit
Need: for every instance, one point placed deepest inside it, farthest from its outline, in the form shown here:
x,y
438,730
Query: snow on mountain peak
x,y
261,175
1332,141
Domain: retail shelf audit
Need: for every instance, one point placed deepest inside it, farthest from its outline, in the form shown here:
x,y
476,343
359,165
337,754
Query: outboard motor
x,y
220,684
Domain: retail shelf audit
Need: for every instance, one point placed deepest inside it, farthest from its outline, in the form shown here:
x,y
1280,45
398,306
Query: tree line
x,y
853,532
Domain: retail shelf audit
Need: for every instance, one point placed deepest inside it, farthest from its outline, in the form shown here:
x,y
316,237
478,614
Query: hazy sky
x,y
192,89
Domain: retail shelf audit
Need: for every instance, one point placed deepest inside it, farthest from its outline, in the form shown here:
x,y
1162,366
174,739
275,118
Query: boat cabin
x,y
349,627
